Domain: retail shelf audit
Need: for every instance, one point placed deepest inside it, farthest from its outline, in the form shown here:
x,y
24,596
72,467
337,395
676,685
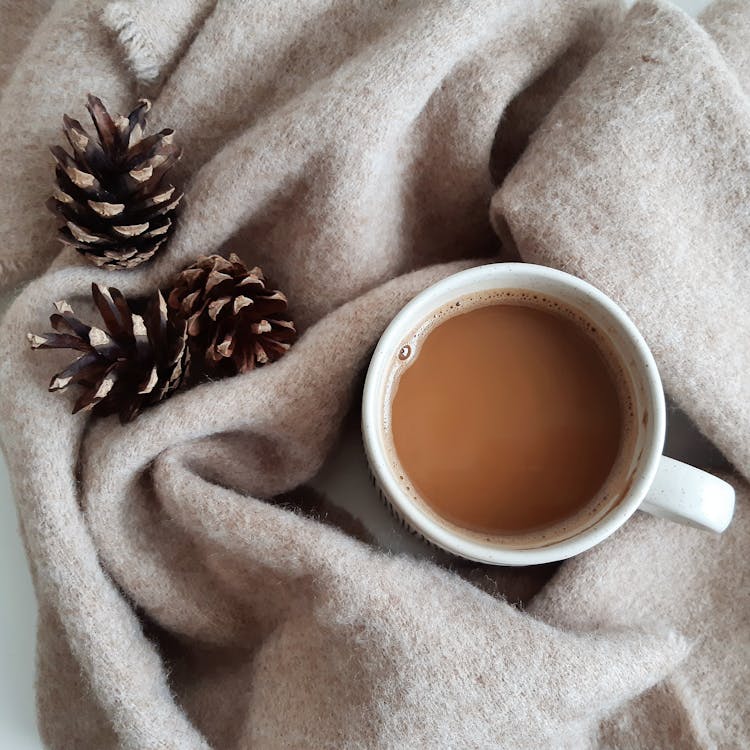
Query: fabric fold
x,y
154,35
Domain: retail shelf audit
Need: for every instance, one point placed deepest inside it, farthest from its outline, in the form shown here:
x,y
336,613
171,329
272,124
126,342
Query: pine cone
x,y
234,321
110,192
137,361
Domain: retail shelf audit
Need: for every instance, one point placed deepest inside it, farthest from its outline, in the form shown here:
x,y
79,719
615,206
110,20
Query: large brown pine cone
x,y
111,192
134,361
235,322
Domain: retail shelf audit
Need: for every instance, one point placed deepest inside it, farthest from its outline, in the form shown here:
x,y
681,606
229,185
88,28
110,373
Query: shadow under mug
x,y
656,484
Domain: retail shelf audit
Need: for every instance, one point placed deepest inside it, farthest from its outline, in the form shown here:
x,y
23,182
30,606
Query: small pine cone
x,y
134,361
111,192
234,321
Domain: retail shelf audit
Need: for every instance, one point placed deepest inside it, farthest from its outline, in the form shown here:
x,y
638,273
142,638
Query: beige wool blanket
x,y
359,150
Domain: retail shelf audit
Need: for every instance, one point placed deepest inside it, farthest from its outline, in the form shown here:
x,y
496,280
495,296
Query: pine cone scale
x,y
58,341
104,124
119,321
146,148
77,137
104,209
72,173
86,370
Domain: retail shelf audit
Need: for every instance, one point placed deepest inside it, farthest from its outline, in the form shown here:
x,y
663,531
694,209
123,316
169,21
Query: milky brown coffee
x,y
507,416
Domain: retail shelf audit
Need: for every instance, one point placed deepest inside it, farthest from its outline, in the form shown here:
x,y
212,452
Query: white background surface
x,y
344,476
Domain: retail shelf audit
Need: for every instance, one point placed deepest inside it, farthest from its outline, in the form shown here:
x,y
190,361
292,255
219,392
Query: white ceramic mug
x,y
656,484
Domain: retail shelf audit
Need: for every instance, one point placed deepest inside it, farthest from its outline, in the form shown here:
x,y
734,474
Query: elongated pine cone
x,y
111,194
234,321
134,361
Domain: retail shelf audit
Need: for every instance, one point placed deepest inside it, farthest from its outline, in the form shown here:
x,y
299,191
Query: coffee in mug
x,y
508,415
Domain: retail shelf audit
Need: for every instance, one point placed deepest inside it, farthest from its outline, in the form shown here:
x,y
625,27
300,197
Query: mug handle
x,y
688,495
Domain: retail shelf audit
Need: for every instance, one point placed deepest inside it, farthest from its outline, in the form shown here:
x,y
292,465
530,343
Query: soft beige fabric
x,y
16,25
650,201
351,149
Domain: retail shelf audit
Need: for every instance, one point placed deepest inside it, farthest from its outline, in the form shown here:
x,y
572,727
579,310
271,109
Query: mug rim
x,y
451,540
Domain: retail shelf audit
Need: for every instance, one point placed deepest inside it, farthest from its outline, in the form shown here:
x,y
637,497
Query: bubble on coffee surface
x,y
621,474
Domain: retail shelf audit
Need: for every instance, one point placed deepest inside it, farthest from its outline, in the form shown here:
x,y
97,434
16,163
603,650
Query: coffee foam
x,y
617,483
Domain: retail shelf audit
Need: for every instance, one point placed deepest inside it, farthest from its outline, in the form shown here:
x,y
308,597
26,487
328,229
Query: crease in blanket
x,y
152,42
352,149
